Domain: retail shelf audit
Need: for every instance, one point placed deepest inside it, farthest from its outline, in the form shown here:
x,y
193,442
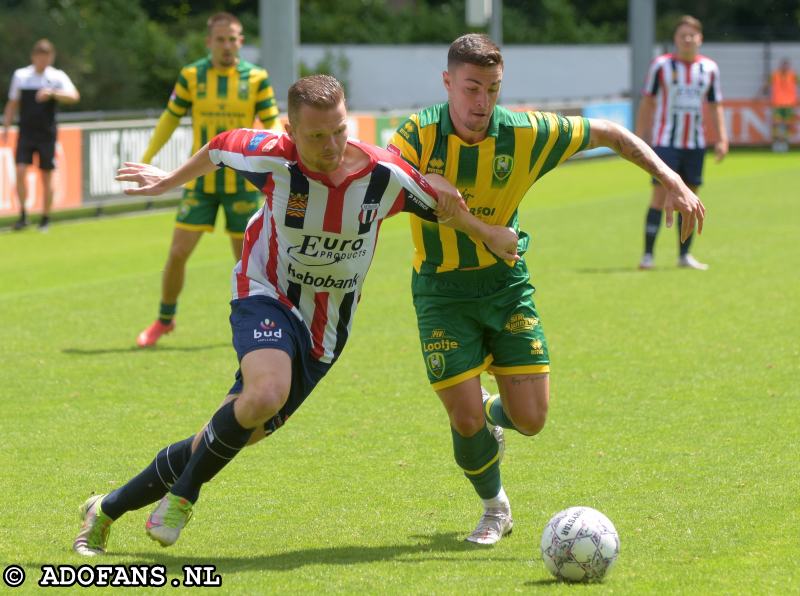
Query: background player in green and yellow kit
x,y
474,311
223,92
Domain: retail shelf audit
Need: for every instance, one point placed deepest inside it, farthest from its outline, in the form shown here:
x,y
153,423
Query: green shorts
x,y
472,321
198,211
783,113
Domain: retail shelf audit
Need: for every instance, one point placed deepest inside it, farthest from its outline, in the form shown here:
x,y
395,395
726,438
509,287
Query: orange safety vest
x,y
784,88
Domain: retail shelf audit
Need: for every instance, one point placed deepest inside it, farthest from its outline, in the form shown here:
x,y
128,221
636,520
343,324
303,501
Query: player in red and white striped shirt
x,y
670,118
306,253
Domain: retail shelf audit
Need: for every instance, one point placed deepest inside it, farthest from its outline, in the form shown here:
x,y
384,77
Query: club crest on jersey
x,y
435,364
368,213
297,205
256,141
503,164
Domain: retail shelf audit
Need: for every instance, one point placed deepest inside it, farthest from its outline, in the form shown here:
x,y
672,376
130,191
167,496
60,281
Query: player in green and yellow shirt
x,y
223,92
474,311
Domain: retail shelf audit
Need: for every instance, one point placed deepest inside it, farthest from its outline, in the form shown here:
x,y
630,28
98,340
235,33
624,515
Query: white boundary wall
x,y
383,77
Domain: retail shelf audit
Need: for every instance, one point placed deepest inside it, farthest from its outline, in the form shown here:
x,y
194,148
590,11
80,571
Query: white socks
x,y
498,502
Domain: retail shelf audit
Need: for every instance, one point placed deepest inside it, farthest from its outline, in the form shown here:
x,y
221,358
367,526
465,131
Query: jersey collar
x,y
446,124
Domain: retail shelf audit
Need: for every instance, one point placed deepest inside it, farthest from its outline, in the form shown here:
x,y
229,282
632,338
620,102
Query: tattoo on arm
x,y
628,148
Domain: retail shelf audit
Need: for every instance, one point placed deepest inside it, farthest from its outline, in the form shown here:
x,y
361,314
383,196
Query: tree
x,y
117,58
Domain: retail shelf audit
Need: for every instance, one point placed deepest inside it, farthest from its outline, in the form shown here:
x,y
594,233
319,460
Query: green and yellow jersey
x,y
492,175
220,99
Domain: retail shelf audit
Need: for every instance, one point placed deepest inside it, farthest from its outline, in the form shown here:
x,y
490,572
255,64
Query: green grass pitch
x,y
675,406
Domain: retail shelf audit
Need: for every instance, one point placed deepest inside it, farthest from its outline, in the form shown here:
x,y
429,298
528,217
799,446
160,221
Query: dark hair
x,y
43,46
319,91
222,18
474,48
688,20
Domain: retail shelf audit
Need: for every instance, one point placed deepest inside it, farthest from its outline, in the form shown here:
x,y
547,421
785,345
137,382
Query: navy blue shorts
x,y
688,163
259,322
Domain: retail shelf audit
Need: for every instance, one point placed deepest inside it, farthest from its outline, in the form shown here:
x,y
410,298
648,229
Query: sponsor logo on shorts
x,y
435,364
435,348
244,207
187,204
537,349
444,345
269,331
519,323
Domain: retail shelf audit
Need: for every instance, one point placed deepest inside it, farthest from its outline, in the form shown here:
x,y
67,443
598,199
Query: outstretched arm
x,y
604,133
153,181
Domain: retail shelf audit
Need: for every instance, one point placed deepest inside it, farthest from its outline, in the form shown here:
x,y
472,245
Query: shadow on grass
x,y
630,270
435,544
550,581
132,349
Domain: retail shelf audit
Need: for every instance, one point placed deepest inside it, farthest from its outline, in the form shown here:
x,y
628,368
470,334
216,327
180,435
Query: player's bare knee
x,y
467,423
259,402
179,254
531,423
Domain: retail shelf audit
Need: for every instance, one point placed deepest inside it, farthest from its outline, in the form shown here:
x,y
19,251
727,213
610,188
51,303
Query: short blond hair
x,y
689,20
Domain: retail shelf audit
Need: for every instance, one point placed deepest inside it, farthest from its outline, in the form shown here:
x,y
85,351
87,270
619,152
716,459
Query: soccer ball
x,y
579,544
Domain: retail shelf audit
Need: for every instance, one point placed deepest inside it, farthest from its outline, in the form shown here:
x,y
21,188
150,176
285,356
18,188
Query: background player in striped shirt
x,y
295,290
671,119
476,312
36,91
223,92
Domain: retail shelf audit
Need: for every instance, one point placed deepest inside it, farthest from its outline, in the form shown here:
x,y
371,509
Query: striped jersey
x,y
222,99
311,244
492,175
37,119
680,88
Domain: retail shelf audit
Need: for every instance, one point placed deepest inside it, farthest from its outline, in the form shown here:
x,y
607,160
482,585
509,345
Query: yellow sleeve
x,y
266,105
165,126
407,139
